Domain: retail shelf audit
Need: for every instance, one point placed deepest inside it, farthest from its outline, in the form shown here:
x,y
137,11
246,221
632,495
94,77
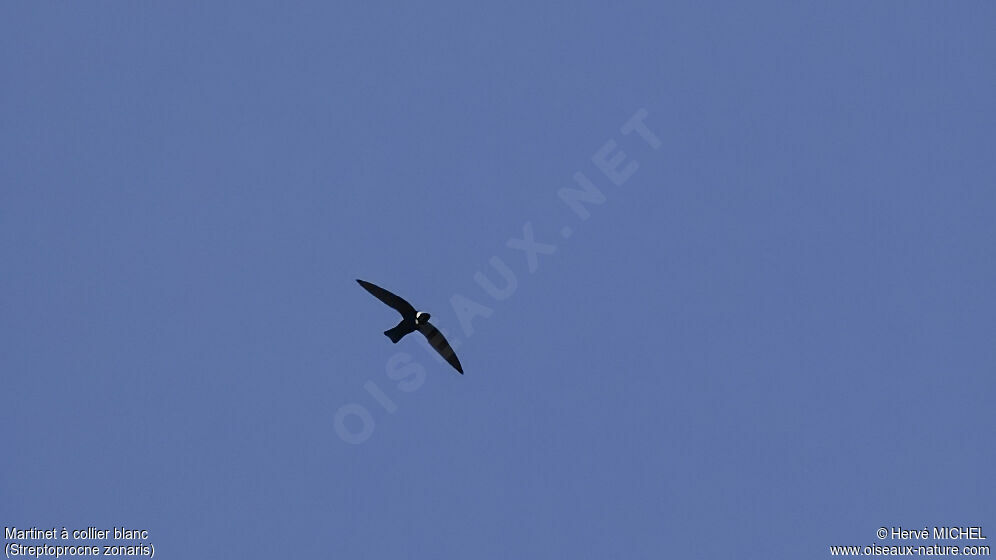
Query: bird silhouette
x,y
412,321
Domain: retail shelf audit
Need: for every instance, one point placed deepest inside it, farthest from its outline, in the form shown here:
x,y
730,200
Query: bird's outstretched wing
x,y
400,305
438,342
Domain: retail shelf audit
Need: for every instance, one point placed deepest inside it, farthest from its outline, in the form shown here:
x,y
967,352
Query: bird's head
x,y
421,318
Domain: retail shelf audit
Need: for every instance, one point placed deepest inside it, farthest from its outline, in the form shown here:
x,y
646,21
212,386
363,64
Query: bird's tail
x,y
396,333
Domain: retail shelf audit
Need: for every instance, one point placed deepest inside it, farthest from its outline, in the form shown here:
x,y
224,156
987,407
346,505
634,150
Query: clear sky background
x,y
778,335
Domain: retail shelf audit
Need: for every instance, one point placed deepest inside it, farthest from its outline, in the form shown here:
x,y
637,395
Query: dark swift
x,y
412,321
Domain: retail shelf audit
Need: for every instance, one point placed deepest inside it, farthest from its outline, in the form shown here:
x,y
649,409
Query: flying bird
x,y
412,321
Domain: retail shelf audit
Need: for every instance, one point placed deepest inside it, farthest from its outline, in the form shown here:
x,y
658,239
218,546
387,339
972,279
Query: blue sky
x,y
775,336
